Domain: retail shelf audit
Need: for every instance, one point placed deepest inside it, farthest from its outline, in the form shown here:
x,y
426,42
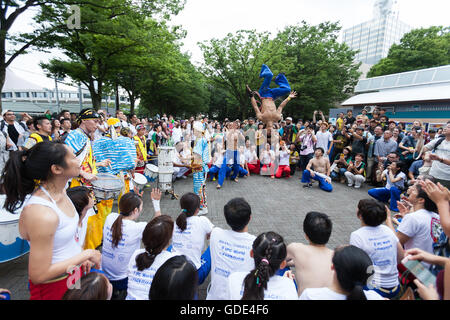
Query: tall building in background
x,y
374,38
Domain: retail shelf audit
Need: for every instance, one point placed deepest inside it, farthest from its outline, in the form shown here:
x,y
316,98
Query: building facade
x,y
374,38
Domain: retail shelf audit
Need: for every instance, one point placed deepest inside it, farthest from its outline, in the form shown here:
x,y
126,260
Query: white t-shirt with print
x,y
230,252
191,241
278,287
115,259
323,138
328,294
380,243
399,184
284,158
139,282
422,227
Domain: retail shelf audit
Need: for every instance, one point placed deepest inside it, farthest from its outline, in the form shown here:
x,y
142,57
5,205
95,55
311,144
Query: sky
x,y
207,19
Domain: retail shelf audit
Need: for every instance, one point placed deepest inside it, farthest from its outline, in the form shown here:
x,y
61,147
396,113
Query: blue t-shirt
x,y
415,166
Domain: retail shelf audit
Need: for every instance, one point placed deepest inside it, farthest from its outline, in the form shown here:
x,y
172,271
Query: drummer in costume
x,y
141,148
80,142
120,151
200,162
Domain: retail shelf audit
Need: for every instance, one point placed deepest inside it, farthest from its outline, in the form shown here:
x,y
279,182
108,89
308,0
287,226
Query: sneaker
x,y
308,185
183,177
357,187
203,212
350,185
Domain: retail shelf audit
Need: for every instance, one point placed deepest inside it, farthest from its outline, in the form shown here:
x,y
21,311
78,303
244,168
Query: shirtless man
x,y
312,262
269,113
234,138
318,168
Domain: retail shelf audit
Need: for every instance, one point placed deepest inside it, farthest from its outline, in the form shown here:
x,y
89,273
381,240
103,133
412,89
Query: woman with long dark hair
x,y
121,238
191,233
263,283
352,269
93,286
49,219
144,263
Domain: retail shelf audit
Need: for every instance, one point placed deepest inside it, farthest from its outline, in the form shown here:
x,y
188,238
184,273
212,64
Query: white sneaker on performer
x,y
203,212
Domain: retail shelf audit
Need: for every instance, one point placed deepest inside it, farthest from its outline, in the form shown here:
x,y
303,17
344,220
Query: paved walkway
x,y
277,205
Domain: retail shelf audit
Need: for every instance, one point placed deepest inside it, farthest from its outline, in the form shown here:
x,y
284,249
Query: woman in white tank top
x,y
49,219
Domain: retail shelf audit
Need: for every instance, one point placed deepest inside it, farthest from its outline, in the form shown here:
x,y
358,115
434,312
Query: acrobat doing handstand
x,y
269,113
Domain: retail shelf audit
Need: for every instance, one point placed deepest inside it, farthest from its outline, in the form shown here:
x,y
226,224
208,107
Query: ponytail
x,y
269,251
128,203
357,293
156,237
15,182
189,203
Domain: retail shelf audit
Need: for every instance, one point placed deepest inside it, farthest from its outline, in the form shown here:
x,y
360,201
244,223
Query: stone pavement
x,y
277,205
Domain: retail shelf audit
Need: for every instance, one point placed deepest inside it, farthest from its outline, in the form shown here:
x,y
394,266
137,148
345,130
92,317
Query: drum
x,y
107,186
165,156
12,246
139,181
151,172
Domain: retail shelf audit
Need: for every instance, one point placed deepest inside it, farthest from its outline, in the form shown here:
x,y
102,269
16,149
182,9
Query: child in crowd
x,y
385,251
190,235
262,283
312,262
93,286
230,249
176,279
283,168
351,270
121,238
83,200
144,263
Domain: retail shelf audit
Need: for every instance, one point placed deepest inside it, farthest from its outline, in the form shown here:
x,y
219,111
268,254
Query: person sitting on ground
x,y
283,168
263,282
318,169
385,252
190,235
176,279
395,185
93,286
350,271
355,173
267,160
83,200
251,157
121,238
294,158
230,249
144,263
312,262
341,163
421,166
420,227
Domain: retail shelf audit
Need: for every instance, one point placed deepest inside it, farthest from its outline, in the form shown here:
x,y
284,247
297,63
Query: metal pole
x,y
57,95
80,93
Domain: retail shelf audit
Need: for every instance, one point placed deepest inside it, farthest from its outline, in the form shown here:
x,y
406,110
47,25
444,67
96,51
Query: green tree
x,y
419,49
117,31
318,67
233,62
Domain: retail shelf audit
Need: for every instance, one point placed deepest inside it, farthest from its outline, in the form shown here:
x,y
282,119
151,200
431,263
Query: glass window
x,y
442,74
7,95
406,79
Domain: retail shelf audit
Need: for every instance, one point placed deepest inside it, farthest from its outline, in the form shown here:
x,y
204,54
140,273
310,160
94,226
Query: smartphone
x,y
420,271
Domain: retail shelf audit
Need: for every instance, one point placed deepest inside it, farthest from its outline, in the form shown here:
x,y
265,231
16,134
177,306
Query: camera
x,y
418,129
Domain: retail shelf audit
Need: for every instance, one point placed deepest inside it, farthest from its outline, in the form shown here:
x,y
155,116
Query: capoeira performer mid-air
x,y
269,113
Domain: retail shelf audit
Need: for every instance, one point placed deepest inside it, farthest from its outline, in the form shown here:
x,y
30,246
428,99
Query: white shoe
x,y
357,187
203,212
183,177
350,184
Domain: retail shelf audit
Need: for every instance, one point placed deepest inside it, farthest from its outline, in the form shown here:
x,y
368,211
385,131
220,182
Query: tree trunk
x,y
2,83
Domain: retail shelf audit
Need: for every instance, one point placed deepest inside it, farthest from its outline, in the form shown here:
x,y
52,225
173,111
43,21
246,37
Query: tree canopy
x,y
419,49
